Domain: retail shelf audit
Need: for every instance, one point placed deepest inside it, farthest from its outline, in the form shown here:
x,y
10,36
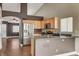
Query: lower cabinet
x,y
53,46
77,44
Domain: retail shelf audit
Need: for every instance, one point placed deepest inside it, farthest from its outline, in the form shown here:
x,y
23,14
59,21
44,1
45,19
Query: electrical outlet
x,y
56,50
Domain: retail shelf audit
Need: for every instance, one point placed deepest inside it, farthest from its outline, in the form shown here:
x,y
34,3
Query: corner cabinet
x,y
66,24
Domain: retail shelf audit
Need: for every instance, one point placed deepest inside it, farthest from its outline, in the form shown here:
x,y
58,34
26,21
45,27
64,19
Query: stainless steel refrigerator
x,y
28,33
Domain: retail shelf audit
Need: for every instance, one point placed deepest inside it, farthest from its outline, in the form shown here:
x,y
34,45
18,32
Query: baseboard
x,y
68,54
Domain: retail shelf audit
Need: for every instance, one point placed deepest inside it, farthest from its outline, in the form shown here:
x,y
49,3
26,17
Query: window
x,y
15,28
3,30
67,24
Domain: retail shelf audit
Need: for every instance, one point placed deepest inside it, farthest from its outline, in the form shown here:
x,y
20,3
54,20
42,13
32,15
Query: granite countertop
x,y
76,36
66,37
62,37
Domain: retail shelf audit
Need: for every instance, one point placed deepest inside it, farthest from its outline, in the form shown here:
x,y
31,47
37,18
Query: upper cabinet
x,y
56,22
66,24
38,24
42,24
50,23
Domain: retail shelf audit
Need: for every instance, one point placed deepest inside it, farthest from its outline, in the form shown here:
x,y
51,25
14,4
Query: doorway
x,y
10,38
10,35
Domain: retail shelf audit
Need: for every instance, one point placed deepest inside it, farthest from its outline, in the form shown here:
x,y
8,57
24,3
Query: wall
x,y
10,29
56,9
15,7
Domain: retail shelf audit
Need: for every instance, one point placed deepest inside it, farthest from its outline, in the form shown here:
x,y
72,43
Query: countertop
x,y
61,37
10,37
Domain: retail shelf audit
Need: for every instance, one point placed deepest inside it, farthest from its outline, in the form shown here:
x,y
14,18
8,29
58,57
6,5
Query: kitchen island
x,y
49,46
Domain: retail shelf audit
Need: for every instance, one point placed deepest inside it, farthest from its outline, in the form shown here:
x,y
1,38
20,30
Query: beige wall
x,y
56,9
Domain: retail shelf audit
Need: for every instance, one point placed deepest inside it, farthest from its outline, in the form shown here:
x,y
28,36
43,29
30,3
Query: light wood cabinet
x,y
38,24
56,22
28,21
53,21
43,24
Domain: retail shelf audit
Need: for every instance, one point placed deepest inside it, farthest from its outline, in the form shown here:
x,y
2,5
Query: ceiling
x,y
32,8
14,7
45,9
58,9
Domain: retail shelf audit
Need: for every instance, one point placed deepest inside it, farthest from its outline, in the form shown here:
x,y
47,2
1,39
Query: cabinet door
x,y
70,24
37,24
63,25
56,22
77,44
46,21
52,23
42,23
